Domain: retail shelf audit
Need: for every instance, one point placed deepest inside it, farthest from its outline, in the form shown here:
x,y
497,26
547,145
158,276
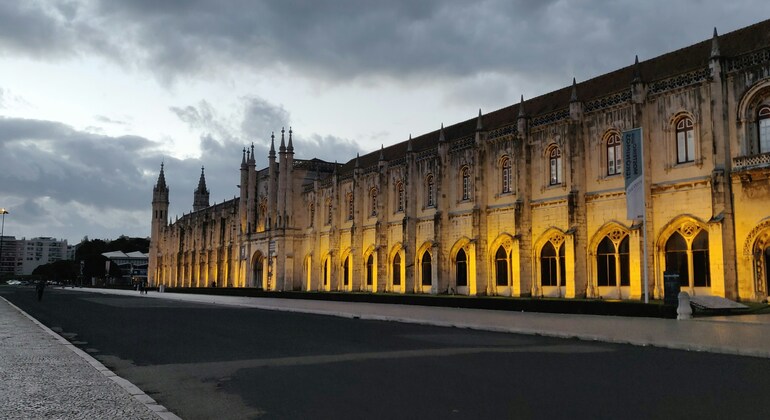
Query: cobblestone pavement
x,y
42,376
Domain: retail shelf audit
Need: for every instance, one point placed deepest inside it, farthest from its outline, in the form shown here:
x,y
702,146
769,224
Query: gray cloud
x,y
337,41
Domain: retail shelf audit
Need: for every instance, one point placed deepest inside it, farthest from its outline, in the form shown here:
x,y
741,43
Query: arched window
x,y
700,260
397,269
506,174
350,206
676,258
763,127
685,141
466,183
612,262
461,268
687,254
501,267
346,271
553,271
555,165
614,155
326,272
373,197
548,266
370,270
427,269
399,196
329,211
430,200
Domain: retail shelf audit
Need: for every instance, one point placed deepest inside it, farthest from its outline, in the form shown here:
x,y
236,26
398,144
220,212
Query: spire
x,y
479,125
272,145
290,148
243,159
409,147
251,156
521,107
441,137
637,73
161,179
358,164
715,44
282,149
202,183
201,196
573,97
382,152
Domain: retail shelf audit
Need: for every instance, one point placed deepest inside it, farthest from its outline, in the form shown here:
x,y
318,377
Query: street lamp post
x,y
2,234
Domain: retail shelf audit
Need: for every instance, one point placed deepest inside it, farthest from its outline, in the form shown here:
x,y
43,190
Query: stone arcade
x,y
527,200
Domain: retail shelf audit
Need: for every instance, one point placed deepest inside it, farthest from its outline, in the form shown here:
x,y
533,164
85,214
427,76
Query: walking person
x,y
39,288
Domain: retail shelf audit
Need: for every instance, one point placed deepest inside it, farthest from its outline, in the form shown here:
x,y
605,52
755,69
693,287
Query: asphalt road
x,y
208,361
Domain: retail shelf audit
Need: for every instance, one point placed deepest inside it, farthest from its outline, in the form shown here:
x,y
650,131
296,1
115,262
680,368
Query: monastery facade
x,y
528,200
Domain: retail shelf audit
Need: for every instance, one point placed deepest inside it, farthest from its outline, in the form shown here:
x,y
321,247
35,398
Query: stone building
x,y
528,200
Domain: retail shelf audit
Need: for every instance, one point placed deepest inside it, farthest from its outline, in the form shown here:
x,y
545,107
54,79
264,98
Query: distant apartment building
x,y
23,256
9,256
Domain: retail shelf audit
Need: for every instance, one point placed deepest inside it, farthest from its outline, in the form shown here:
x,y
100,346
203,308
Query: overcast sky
x,y
94,95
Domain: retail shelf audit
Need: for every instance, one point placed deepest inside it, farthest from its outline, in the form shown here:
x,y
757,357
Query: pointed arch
x,y
609,259
346,269
463,261
500,263
396,269
550,263
683,247
259,270
425,264
370,268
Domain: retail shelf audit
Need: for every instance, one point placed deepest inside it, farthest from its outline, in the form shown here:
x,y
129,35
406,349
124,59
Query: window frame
x,y
465,183
555,166
400,197
685,126
614,163
373,202
430,189
506,170
763,124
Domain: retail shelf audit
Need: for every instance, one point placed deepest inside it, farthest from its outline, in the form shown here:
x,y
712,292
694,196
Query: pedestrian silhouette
x,y
40,287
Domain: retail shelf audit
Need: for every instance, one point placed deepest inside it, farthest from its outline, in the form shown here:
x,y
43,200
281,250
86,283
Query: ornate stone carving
x,y
680,81
747,60
689,229
608,101
556,240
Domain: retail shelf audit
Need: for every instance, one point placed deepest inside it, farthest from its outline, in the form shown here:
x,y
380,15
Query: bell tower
x,y
159,222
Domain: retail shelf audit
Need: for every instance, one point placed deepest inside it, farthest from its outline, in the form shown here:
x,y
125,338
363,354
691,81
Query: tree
x,y
58,270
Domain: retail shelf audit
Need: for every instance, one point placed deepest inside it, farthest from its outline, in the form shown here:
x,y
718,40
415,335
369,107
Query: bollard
x,y
684,311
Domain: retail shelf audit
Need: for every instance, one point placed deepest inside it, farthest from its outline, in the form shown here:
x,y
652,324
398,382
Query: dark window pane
x,y
548,265
462,269
397,270
369,270
427,272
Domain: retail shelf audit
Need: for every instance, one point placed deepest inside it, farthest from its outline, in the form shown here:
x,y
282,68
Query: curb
x,y
132,389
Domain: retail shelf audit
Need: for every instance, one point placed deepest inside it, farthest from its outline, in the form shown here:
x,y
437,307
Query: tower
x,y
201,198
159,222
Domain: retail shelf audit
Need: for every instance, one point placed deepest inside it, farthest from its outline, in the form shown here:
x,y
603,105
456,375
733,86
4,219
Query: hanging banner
x,y
633,171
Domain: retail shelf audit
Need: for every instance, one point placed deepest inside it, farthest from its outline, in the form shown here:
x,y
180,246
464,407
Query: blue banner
x,y
633,171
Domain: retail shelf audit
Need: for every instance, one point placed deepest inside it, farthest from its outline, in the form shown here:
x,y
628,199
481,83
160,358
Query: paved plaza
x,y
44,376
